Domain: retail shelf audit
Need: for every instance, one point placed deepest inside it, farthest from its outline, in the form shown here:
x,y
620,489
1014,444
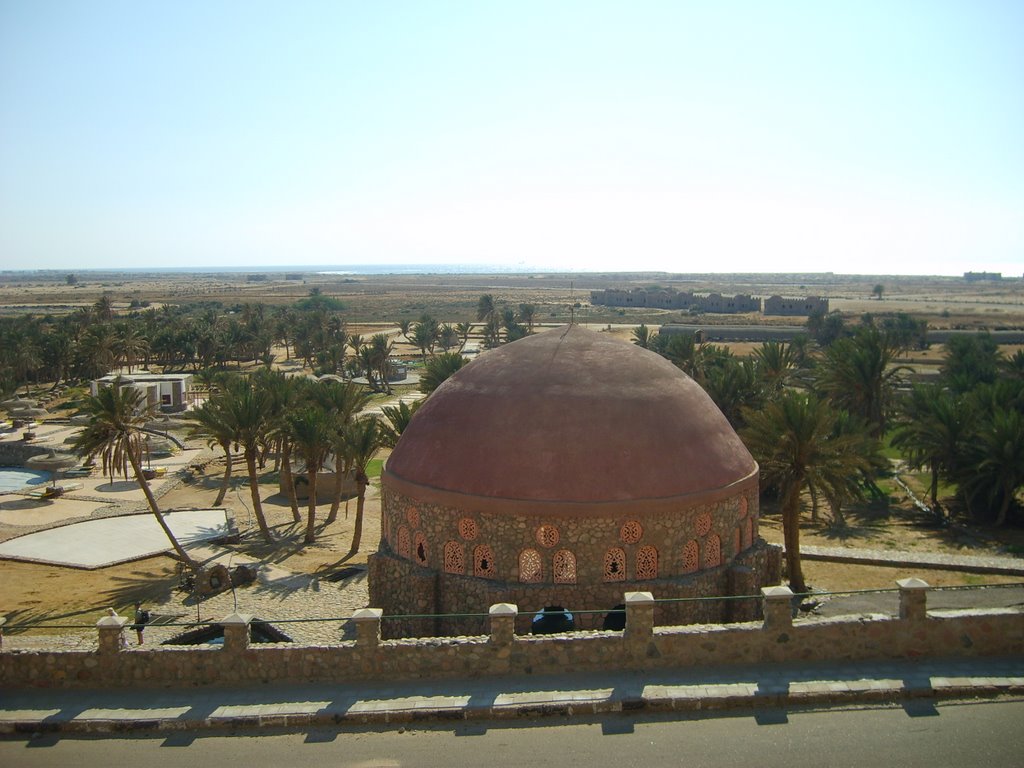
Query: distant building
x,y
667,298
777,305
983,276
167,392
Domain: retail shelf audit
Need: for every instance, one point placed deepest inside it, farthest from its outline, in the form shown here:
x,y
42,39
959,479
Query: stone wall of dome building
x,y
442,560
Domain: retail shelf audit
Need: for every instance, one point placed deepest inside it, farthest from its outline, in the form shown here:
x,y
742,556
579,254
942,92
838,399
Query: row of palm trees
x,y
292,418
265,415
91,341
817,418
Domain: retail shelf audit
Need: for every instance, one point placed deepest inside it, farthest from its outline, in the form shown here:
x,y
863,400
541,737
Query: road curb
x,y
831,695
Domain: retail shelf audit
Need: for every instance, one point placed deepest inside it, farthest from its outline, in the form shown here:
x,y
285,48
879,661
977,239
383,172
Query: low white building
x,y
167,392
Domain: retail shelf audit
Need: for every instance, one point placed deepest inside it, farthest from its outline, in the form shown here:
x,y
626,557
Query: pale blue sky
x,y
865,137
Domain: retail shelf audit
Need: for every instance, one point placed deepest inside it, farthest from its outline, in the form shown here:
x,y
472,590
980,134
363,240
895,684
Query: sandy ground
x,y
41,593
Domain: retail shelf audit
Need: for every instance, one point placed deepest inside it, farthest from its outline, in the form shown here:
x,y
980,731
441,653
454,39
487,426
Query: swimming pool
x,y
16,478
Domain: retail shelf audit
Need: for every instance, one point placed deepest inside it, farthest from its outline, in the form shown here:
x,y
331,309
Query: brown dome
x,y
564,418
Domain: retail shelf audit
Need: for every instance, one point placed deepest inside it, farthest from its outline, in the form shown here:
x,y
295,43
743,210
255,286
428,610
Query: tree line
x,y
818,411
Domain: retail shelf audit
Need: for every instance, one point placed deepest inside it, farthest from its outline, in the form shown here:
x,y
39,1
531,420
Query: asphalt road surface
x,y
917,733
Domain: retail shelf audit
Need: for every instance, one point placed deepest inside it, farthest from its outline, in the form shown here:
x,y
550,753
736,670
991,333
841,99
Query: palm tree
x,y
104,309
994,465
793,439
310,432
527,314
932,433
424,336
857,374
381,348
448,337
130,344
485,308
211,422
396,419
642,336
734,386
282,394
685,351
404,325
362,439
438,369
247,410
463,329
341,402
116,417
777,364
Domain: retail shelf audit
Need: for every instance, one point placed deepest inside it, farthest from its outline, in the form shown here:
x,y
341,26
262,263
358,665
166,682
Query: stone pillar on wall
x,y
503,623
236,632
367,622
639,618
913,599
111,633
778,608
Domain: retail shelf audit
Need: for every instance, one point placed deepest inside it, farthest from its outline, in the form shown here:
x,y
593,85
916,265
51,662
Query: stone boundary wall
x,y
16,454
915,633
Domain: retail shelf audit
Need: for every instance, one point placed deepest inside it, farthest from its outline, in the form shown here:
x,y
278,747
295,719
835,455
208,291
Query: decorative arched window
x,y
404,542
547,536
413,516
530,569
631,532
748,532
744,506
468,528
703,524
615,565
454,558
483,562
419,548
647,563
713,551
691,557
564,567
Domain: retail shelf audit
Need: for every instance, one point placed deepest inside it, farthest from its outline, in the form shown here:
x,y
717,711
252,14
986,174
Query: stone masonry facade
x,y
439,561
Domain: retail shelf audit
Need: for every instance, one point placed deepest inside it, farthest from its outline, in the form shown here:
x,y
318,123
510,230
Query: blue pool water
x,y
16,478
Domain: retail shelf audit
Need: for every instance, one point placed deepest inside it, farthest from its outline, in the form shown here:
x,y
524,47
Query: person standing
x,y
141,619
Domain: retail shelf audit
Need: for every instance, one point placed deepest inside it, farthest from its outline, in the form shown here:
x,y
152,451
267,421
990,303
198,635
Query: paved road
x,y
920,733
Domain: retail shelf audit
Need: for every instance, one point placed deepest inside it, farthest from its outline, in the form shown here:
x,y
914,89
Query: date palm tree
x,y
116,417
310,431
463,329
932,433
396,419
341,402
794,440
438,369
777,364
642,336
247,410
858,375
994,465
210,421
362,439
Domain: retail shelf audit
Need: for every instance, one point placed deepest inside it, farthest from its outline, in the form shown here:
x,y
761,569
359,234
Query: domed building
x,y
565,469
